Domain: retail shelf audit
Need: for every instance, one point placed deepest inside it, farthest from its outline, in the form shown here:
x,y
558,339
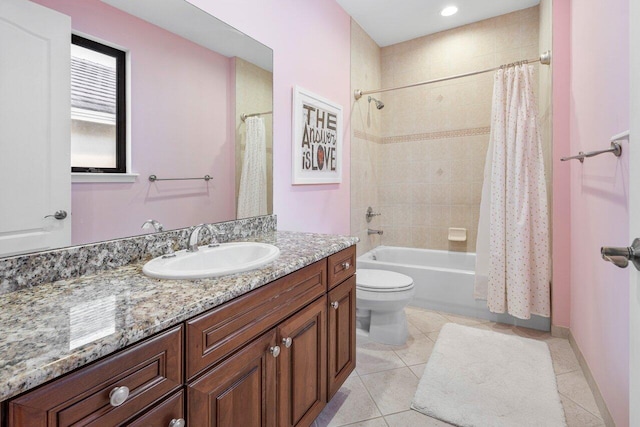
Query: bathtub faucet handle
x,y
370,214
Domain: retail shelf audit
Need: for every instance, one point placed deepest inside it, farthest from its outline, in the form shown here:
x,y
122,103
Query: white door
x,y
35,110
634,214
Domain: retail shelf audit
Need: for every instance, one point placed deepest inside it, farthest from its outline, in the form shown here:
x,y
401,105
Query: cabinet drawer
x,y
149,370
163,413
341,266
216,334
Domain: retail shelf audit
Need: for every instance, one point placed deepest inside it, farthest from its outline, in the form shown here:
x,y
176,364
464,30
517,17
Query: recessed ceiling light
x,y
449,10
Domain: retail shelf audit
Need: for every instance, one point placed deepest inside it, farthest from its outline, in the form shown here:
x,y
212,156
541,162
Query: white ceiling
x,y
393,21
186,20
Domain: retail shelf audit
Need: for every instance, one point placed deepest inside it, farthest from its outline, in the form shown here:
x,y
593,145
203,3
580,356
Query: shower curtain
x,y
252,196
512,264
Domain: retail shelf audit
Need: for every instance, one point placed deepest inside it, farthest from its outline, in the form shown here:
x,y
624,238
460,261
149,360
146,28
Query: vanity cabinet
x,y
271,357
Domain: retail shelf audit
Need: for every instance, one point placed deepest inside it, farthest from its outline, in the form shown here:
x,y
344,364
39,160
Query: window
x,y
98,107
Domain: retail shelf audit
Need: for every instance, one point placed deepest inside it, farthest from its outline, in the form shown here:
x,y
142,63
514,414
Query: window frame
x,y
121,105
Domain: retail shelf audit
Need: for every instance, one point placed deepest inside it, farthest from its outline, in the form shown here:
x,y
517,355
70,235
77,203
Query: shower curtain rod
x,y
545,59
244,116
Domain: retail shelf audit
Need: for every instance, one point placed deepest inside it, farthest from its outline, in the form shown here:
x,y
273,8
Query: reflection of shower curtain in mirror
x,y
252,196
512,264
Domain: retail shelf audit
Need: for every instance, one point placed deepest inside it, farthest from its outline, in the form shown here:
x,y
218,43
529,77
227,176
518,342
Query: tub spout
x,y
370,231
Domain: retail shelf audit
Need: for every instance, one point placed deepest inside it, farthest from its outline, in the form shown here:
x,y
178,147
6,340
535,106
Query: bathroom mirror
x,y
189,78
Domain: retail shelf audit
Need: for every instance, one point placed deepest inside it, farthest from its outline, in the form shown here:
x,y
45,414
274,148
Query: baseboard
x,y
602,406
559,332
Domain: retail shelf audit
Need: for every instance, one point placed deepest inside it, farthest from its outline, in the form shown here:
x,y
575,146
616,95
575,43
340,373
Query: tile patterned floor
x,y
378,393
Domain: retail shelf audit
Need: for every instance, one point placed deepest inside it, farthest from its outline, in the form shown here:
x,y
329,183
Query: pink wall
x,y
167,71
561,241
311,46
598,107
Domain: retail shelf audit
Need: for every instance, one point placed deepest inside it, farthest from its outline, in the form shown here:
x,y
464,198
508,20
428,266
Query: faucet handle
x,y
152,223
213,230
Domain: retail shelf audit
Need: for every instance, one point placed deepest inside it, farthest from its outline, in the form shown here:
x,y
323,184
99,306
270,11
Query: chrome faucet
x,y
192,245
371,231
152,223
194,237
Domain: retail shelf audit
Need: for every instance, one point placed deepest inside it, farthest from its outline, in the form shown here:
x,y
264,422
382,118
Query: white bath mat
x,y
479,378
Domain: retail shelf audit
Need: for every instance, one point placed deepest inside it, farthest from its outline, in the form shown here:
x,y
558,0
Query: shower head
x,y
379,104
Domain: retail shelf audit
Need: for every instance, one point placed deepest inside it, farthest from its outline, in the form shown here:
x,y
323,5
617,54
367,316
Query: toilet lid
x,y
382,280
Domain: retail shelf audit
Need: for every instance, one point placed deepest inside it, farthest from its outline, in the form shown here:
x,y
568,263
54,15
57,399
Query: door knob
x,y
58,215
621,256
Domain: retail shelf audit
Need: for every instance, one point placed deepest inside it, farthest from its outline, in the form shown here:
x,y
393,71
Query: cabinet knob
x,y
275,351
287,342
345,265
177,422
118,395
335,305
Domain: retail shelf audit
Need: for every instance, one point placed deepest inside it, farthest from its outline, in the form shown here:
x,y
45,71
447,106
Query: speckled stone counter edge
x,y
24,271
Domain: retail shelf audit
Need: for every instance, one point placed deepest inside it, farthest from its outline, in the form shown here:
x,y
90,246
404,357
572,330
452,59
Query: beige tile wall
x,y
420,160
365,137
434,138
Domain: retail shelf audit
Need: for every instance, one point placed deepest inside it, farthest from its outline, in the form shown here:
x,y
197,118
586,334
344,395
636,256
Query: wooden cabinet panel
x,y
149,370
341,265
302,366
163,413
342,334
241,391
216,334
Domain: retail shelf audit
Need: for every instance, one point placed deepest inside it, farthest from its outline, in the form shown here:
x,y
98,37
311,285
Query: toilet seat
x,y
382,281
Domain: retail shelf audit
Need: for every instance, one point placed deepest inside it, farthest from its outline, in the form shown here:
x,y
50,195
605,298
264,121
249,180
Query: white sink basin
x,y
228,258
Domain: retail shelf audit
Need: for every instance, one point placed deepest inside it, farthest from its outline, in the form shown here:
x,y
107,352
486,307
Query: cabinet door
x,y
342,334
240,391
302,365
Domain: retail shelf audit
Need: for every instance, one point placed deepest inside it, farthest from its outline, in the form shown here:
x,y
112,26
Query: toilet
x,y
381,297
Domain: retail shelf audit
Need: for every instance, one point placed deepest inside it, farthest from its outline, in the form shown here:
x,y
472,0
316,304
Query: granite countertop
x,y
51,329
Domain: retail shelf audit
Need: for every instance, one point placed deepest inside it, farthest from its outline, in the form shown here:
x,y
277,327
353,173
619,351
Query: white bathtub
x,y
443,281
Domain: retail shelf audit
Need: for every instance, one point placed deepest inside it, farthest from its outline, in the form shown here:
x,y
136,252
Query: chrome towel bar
x,y
154,178
615,148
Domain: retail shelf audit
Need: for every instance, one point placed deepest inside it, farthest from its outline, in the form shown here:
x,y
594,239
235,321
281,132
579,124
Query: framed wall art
x,y
317,139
